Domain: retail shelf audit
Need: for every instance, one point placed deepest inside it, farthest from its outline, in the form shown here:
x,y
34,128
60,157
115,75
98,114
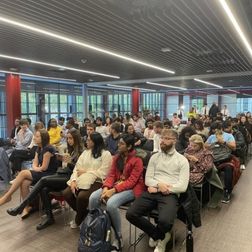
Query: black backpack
x,y
95,232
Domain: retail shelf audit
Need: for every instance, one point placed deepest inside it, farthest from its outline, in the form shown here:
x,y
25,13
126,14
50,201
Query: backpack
x,y
221,152
95,232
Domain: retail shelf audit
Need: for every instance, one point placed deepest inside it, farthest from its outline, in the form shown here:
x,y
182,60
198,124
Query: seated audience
x,y
201,130
183,140
15,130
108,123
138,123
149,132
54,132
123,183
90,170
167,124
241,147
200,159
216,140
113,139
44,164
166,177
56,182
90,129
20,155
139,138
100,128
83,129
175,120
158,127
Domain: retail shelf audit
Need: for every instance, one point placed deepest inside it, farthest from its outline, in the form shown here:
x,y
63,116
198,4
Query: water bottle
x,y
64,164
189,242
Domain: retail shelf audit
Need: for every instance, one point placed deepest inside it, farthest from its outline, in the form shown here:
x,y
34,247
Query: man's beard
x,y
166,147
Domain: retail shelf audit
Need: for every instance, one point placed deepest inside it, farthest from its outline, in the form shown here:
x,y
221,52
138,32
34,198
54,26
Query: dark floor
x,y
226,229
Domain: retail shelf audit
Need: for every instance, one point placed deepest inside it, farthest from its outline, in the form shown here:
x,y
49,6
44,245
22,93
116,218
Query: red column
x,y
135,95
13,99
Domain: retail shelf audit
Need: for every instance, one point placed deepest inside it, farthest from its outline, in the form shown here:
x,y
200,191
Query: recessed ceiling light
x,y
128,87
230,81
208,83
76,42
57,66
166,49
236,25
62,69
13,69
209,71
84,61
164,85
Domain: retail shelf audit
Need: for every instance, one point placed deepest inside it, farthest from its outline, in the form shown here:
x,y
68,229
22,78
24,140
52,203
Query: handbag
x,y
65,170
221,152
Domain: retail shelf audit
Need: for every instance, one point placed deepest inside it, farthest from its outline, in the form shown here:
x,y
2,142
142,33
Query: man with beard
x,y
166,177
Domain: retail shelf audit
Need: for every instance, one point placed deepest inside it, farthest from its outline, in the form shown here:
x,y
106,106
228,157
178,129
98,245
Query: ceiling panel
x,y
197,32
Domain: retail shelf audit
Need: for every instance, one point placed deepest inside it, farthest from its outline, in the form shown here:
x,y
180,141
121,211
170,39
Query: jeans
x,y
112,205
166,205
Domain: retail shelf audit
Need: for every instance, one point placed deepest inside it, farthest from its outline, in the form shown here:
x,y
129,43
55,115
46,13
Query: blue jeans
x,y
112,205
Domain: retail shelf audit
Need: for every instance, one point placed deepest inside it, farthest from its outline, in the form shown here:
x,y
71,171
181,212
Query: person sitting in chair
x,y
200,159
123,183
166,177
44,164
227,142
56,182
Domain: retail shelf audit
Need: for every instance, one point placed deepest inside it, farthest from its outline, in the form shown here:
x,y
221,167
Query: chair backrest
x,y
5,173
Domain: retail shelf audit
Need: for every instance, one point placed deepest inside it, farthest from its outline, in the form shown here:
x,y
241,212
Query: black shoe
x,y
226,197
14,211
45,223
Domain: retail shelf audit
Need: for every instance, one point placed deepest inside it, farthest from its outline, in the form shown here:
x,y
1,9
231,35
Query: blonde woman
x,y
200,159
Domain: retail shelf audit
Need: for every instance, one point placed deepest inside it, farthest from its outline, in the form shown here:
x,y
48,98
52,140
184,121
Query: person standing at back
x,y
214,110
225,112
205,110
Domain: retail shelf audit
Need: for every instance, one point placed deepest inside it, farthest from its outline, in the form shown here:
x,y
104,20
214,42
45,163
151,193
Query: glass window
x,y
152,103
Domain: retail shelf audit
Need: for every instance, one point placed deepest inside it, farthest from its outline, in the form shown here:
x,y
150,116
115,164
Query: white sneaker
x,y
152,243
161,245
242,167
115,244
73,225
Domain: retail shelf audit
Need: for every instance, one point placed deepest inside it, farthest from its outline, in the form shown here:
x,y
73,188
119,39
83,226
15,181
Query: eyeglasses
x,y
167,138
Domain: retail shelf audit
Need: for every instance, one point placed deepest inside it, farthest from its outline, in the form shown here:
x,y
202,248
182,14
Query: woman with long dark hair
x,y
183,140
90,170
44,164
138,137
123,183
56,182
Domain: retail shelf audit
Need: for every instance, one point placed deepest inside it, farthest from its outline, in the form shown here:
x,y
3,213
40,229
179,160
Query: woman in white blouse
x,y
88,174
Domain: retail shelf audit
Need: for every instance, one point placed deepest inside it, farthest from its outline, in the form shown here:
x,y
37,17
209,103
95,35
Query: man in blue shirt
x,y
222,138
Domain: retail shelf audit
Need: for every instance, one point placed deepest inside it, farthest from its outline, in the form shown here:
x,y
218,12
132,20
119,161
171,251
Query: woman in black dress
x,y
56,182
44,164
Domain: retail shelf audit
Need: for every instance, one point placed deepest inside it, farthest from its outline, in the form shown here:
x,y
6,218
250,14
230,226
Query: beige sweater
x,y
95,169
